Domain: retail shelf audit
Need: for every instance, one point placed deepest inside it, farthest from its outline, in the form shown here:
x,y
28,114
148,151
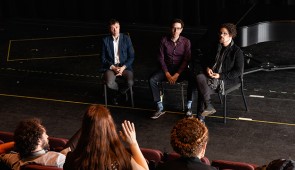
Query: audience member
x,y
174,56
31,144
99,146
117,56
223,62
189,138
279,164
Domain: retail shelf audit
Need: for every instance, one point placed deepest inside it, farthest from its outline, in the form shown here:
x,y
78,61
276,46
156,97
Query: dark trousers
x,y
159,76
110,79
204,91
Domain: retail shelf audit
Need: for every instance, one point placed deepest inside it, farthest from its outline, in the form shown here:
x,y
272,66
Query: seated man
x,y
31,144
117,56
174,56
224,61
189,138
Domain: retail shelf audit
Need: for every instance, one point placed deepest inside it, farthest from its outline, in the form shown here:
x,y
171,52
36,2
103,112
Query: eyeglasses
x,y
176,28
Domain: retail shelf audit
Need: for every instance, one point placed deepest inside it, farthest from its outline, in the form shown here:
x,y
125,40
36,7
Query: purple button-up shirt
x,y
174,55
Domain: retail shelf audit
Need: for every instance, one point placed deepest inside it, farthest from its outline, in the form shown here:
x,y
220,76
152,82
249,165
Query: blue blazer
x,y
126,52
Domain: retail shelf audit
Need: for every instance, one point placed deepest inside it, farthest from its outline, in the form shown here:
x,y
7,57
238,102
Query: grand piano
x,y
279,27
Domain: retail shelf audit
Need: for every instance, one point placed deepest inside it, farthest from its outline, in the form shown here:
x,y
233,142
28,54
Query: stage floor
x,y
50,70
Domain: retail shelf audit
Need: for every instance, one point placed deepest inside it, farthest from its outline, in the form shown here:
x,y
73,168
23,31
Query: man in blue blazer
x,y
117,56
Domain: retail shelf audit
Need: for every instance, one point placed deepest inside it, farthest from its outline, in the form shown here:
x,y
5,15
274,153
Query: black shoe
x,y
209,110
157,114
189,113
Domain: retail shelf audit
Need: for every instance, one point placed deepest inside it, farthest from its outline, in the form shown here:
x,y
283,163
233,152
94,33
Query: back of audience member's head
x,y
189,137
278,164
99,145
281,164
27,136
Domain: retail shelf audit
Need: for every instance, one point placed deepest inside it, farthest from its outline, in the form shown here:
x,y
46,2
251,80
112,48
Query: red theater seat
x,y
39,167
6,136
227,165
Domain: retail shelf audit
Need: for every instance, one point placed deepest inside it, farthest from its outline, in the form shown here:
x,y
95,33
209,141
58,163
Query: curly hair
x,y
27,135
188,137
232,30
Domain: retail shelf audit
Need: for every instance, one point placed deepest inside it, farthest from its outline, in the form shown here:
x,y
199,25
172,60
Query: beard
x,y
45,144
221,40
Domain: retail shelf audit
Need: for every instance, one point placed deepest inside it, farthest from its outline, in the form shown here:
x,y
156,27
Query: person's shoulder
x,y
238,50
106,37
184,163
236,47
184,39
53,155
165,38
125,34
10,159
10,155
51,158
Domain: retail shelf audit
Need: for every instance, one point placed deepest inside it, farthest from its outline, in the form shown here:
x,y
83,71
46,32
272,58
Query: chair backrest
x,y
225,164
234,86
57,144
6,147
39,167
152,154
6,136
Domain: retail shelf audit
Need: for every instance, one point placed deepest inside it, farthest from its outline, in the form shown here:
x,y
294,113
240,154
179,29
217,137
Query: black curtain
x,y
158,12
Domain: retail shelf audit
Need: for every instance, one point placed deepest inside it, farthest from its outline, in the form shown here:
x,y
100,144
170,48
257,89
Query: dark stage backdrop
x,y
159,12
155,12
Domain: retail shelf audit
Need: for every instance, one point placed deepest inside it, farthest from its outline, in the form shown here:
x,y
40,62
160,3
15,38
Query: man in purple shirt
x,y
174,56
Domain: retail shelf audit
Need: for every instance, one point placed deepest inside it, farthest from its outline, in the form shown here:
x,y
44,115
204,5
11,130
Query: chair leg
x,y
161,91
245,102
105,95
131,95
182,97
224,109
220,99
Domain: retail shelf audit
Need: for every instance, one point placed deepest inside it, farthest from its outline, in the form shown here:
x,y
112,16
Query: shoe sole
x,y
156,117
189,115
207,113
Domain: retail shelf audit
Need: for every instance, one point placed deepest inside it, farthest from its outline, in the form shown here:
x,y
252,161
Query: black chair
x,y
223,94
181,84
106,94
106,88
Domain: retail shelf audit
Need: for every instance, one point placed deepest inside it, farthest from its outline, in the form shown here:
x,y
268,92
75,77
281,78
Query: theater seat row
x,y
153,156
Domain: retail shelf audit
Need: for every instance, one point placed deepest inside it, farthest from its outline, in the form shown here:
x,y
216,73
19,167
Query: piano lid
x,y
266,31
